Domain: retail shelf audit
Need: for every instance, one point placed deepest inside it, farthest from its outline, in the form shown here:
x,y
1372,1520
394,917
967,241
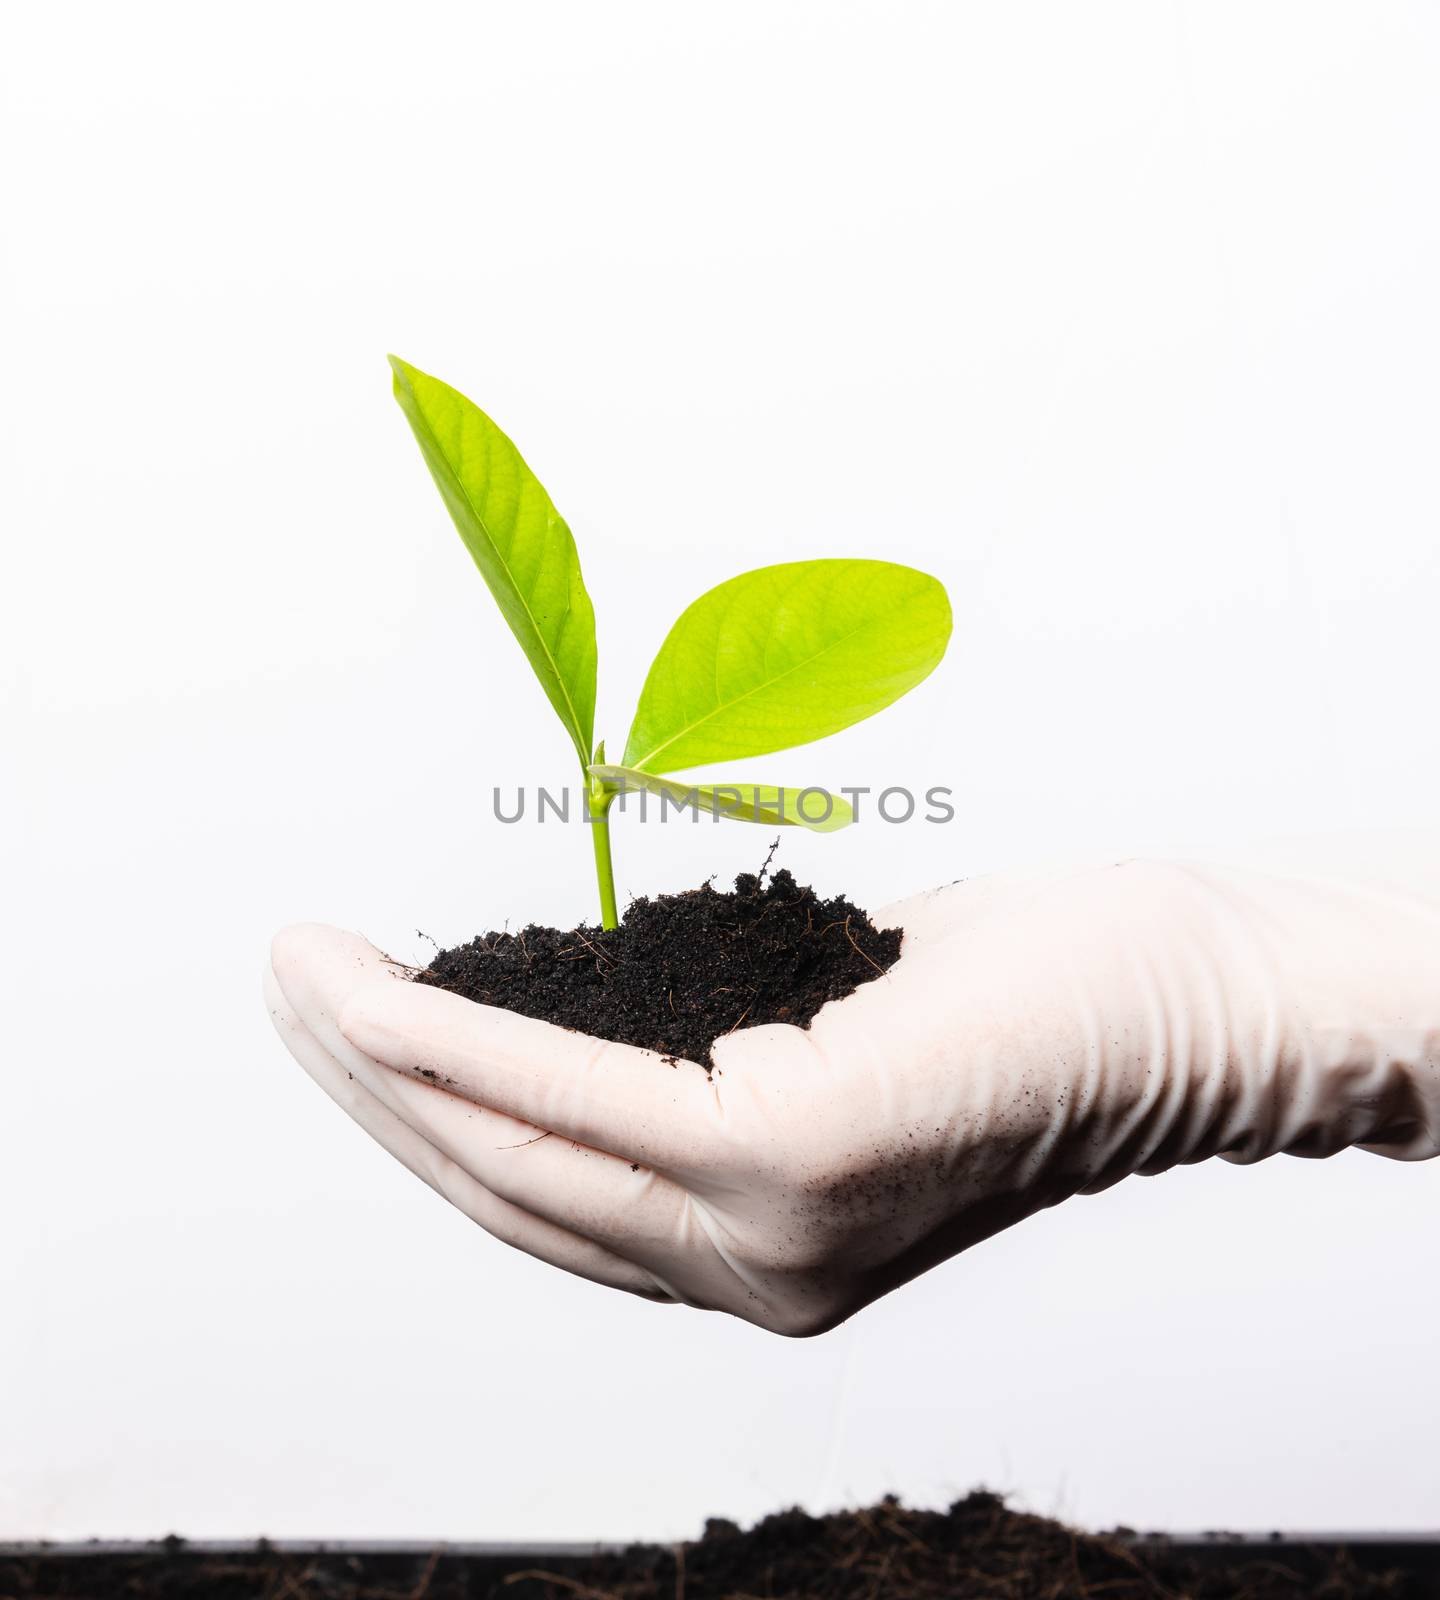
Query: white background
x,y
1120,318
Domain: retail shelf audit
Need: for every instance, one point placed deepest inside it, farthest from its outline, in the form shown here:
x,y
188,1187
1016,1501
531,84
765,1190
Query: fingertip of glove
x,y
290,947
281,1013
318,968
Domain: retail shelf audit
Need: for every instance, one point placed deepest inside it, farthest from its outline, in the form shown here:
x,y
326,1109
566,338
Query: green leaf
x,y
517,538
783,655
815,809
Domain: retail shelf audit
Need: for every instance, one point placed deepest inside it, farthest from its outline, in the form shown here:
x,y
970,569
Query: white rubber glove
x,y
1039,1037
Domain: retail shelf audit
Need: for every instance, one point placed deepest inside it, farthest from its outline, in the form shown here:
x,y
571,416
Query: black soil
x,y
681,970
977,1550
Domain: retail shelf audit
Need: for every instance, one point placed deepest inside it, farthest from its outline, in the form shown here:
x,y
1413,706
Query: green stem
x,y
597,803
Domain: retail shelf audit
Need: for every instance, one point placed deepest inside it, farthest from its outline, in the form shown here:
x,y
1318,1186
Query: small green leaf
x,y
517,538
815,809
783,655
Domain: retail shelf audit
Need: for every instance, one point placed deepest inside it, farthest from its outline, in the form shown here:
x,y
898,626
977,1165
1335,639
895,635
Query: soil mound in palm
x,y
681,970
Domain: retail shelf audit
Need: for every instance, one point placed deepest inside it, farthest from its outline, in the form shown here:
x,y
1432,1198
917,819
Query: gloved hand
x,y
1039,1037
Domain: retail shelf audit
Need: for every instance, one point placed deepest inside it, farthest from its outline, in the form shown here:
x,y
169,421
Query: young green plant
x,y
774,658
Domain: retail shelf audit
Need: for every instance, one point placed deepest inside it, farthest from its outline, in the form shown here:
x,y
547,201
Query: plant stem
x,y
597,803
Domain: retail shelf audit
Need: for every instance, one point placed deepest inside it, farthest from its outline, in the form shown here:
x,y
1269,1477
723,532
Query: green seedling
x,y
774,658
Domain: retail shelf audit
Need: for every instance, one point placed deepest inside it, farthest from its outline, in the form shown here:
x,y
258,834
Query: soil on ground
x,y
977,1550
681,970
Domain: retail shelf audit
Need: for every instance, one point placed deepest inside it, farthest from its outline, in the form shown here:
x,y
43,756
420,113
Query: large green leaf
x,y
815,809
783,655
518,540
